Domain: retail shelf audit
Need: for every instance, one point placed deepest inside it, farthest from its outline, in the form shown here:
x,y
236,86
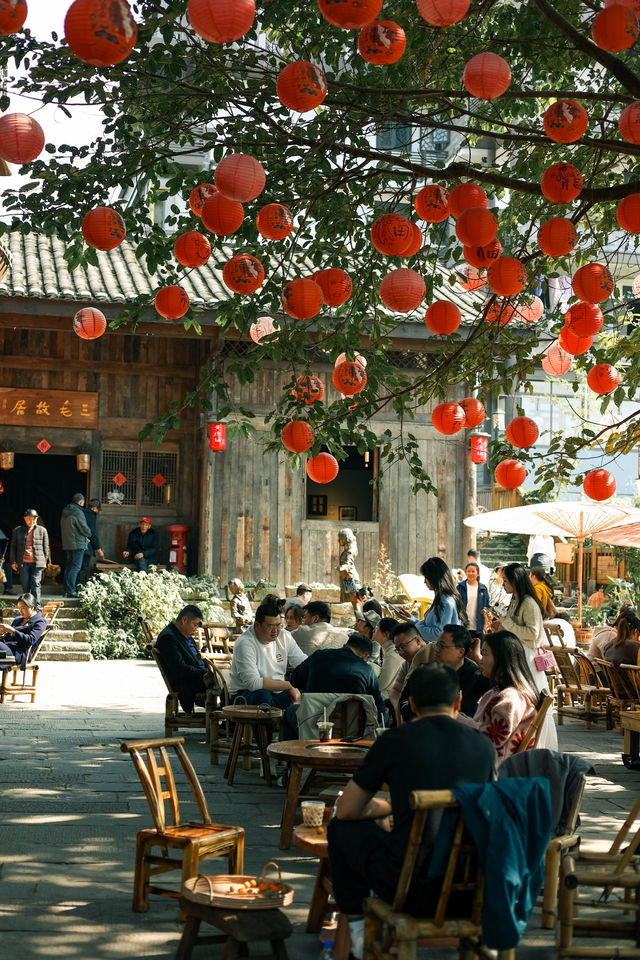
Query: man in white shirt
x,y
260,658
541,552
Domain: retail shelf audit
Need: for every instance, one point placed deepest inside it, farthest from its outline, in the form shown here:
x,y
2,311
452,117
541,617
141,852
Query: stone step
x,y
68,636
70,654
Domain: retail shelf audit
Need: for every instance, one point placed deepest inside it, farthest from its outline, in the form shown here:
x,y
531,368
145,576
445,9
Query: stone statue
x,y
240,606
349,576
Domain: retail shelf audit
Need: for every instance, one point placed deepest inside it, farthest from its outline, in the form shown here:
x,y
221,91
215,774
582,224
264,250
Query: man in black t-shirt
x,y
432,752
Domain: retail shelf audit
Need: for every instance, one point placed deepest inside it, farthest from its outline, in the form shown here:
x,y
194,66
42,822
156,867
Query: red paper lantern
x,y
199,196
507,277
172,302
442,317
297,436
486,76
583,319
476,227
557,237
466,195
100,33
275,221
629,123
350,14
402,290
302,298
13,14
391,234
243,274
192,249
603,378
323,468
21,138
482,256
471,279
442,13
415,243
529,310
89,323
335,285
218,436
240,177
510,474
498,312
615,28
561,182
301,86
349,377
357,358
593,282
479,449
448,417
382,42
599,485
628,213
565,121
573,344
474,412
222,216
103,228
556,361
633,5
522,432
219,21
308,389
432,203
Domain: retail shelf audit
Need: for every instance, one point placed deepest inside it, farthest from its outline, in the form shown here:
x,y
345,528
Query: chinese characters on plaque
x,y
53,408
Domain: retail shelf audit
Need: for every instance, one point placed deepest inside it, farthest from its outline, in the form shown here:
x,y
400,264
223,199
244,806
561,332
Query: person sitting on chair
x,y
260,658
142,545
178,650
452,647
24,632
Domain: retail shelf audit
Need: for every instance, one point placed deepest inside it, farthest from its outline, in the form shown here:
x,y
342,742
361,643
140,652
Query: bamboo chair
x,y
196,840
51,610
535,726
555,638
557,846
392,934
174,717
575,698
621,693
10,684
214,642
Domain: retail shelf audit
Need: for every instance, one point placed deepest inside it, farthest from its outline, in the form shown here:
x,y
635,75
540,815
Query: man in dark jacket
x,y
75,538
93,548
452,647
187,672
29,553
142,545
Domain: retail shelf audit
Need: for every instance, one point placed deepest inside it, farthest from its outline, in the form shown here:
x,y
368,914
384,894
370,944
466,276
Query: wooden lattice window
x,y
140,478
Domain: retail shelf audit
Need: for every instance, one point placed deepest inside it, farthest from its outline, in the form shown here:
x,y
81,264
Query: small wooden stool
x,y
245,717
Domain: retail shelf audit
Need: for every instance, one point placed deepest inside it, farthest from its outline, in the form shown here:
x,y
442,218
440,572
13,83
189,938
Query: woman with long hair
x,y
447,606
626,645
543,588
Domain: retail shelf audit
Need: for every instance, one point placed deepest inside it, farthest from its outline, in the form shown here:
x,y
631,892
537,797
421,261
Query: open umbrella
x,y
561,518
627,534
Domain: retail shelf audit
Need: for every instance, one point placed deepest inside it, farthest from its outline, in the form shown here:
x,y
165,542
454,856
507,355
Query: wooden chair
x,y
10,684
214,642
196,840
392,934
535,726
621,693
553,856
51,610
575,698
174,717
554,634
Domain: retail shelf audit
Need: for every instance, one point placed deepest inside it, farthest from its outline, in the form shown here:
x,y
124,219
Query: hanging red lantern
x,y
498,312
442,317
218,436
629,123
357,358
308,389
583,319
471,279
103,228
199,196
218,21
634,5
335,285
628,213
243,274
476,227
240,177
466,195
301,86
474,412
275,221
442,13
486,76
482,256
507,277
302,298
529,310
323,468
593,282
448,417
510,474
603,378
172,302
222,216
561,182
479,448
522,432
565,121
100,33
263,327
297,436
556,361
349,378
391,234
599,485
415,243
557,237
573,344
350,14
615,28
192,249
13,14
89,323
402,290
382,42
432,203
21,138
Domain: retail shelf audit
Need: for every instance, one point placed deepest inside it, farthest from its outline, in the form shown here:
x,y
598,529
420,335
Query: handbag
x,y
544,660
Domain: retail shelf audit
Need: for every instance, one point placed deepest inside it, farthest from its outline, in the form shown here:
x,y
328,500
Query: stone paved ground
x,y
71,805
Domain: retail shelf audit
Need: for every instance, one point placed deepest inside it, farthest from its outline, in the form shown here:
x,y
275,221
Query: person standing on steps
x,y
29,553
76,534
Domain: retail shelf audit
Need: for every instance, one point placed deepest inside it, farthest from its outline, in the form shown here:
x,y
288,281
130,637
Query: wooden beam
x,y
132,369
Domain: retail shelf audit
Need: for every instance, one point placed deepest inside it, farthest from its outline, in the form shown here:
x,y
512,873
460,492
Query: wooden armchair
x,y
215,641
10,684
197,840
621,693
51,610
535,726
575,698
174,717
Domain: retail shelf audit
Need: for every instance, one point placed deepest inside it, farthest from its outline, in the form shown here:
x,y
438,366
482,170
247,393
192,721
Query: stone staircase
x,y
68,640
503,548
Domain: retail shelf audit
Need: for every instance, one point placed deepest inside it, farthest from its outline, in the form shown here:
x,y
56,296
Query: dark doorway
x,y
352,496
44,482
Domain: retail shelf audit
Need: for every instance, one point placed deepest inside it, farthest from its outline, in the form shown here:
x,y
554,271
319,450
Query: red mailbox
x,y
178,546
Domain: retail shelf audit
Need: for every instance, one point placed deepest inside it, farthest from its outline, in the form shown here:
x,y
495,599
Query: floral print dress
x,y
504,716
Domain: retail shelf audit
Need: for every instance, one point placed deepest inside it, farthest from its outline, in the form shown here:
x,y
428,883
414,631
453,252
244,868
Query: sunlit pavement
x,y
72,804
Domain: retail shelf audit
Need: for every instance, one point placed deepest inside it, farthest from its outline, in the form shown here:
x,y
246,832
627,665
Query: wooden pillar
x,y
470,499
207,486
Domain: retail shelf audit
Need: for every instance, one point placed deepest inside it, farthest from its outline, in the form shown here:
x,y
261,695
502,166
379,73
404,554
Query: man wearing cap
x,y
75,538
93,548
142,545
29,552
366,622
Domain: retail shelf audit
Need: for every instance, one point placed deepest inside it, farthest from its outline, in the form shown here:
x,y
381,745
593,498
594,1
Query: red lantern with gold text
x,y
172,302
486,76
415,243
593,282
350,14
402,290
603,378
448,417
629,123
274,222
472,279
583,319
222,216
349,378
323,468
482,256
243,274
432,203
89,323
103,228
21,138
391,234
302,298
529,310
308,389
476,227
557,237
615,28
573,344
240,177
510,474
192,249
628,213
301,86
479,448
442,13
199,196
218,21
297,436
565,121
218,436
561,182
442,317
13,14
507,277
522,432
100,33
466,195
474,412
599,485
382,42
556,361
357,358
499,313
335,285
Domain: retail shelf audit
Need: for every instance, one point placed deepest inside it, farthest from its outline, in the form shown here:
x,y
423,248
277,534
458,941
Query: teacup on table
x,y
325,730
313,813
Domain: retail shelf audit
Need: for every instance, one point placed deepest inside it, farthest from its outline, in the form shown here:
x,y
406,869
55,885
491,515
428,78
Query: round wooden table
x,y
245,717
312,755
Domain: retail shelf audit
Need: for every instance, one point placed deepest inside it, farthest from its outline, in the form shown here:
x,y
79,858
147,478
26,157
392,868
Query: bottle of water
x,y
327,950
